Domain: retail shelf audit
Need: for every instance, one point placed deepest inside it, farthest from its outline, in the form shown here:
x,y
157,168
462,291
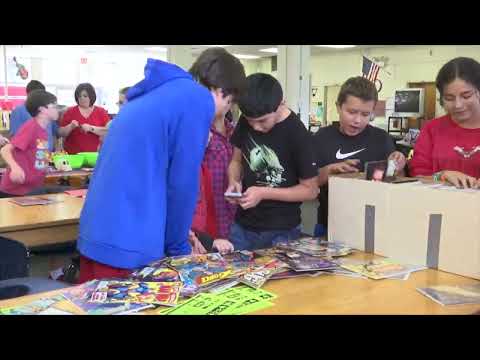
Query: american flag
x,y
370,69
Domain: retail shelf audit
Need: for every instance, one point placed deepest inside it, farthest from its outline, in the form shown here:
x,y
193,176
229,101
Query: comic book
x,y
288,274
316,247
153,273
80,296
37,307
117,291
381,269
299,261
197,271
453,295
33,200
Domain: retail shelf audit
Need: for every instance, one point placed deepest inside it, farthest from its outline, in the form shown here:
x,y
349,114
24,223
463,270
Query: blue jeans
x,y
243,239
320,230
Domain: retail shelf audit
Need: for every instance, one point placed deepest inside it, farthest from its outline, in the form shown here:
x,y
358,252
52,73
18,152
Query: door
x,y
331,94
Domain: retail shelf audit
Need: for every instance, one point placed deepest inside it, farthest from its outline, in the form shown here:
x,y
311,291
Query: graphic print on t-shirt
x,y
467,154
264,162
41,155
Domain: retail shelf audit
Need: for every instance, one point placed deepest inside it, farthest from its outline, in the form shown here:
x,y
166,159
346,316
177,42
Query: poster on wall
x,y
19,70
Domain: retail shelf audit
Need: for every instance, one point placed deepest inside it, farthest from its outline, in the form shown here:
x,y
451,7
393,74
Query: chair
x,y
15,269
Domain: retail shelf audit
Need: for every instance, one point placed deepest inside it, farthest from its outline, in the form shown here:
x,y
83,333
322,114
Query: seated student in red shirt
x,y
27,154
84,124
448,148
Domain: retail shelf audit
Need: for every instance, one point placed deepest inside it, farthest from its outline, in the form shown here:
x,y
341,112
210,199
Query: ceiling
x,y
159,50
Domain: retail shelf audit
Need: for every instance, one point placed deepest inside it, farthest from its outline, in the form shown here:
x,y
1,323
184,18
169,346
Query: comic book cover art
x,y
197,271
81,295
158,293
453,295
302,262
317,247
155,274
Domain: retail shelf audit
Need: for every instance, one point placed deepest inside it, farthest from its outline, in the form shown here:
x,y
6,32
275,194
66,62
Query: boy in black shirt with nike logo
x,y
272,166
346,147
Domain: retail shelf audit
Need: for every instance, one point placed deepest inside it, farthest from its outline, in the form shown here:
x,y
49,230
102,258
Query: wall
x,y
406,64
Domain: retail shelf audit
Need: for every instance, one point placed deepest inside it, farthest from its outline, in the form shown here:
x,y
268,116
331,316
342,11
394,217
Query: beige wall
x,y
405,64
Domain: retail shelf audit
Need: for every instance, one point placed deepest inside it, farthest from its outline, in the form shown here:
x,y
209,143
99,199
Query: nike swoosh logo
x,y
341,156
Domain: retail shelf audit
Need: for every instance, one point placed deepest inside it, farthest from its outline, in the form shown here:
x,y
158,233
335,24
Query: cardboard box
x,y
413,223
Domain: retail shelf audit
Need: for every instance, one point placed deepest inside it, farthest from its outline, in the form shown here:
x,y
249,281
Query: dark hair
x,y
124,90
216,68
359,87
34,85
90,91
262,96
463,68
38,98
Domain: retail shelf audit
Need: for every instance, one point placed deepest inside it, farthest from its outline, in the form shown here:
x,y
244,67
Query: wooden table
x,y
75,178
335,295
41,224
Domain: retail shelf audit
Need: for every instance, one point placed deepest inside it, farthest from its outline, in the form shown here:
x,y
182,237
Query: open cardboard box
x,y
413,223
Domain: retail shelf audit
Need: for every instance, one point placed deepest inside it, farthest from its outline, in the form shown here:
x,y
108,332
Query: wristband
x,y
437,176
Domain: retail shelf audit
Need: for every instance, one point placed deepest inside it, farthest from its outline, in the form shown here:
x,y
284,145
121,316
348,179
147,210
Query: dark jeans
x,y
243,239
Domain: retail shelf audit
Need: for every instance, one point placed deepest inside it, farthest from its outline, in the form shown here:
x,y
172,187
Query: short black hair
x,y
463,68
38,98
359,87
124,90
90,91
216,68
262,96
34,85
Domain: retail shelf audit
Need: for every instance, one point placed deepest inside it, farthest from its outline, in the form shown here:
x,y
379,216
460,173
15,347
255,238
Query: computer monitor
x,y
409,103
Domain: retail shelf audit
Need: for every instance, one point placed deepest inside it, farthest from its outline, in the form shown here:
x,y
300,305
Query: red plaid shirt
x,y
217,157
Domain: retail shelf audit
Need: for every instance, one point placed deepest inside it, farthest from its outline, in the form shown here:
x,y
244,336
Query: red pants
x,y
90,270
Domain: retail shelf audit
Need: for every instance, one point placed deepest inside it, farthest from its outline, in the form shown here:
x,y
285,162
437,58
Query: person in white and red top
x,y
448,148
27,154
84,124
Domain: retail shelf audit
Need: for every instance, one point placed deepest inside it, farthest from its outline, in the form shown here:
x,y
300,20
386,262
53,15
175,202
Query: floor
x,y
43,261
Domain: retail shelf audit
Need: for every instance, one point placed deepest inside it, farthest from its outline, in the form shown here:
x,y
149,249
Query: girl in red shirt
x,y
448,148
84,124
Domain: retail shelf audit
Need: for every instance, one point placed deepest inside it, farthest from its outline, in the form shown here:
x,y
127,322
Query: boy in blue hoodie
x,y
144,189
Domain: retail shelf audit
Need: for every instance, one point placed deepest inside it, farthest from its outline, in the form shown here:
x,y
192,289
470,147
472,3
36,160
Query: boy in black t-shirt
x,y
346,147
272,164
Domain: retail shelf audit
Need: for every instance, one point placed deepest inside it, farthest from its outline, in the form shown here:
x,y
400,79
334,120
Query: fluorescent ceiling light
x,y
337,46
215,45
270,50
156,48
243,56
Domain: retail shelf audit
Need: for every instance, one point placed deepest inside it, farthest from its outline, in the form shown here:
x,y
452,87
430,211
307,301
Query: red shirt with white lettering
x,y
30,151
79,141
444,145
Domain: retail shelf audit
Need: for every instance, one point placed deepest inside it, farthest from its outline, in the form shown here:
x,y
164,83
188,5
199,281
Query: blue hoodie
x,y
144,189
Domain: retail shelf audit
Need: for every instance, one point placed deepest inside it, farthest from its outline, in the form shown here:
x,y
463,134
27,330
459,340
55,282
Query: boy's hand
x,y
74,124
234,187
252,197
400,160
197,247
223,246
86,128
3,141
17,175
343,167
